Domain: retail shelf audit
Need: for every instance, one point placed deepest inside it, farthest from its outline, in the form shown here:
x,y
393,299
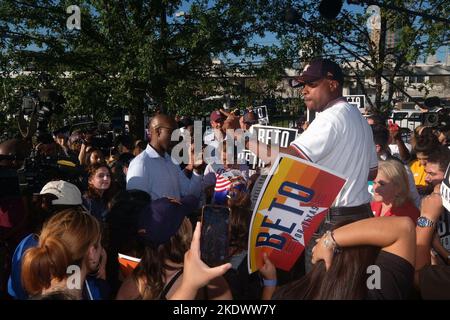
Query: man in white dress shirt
x,y
154,171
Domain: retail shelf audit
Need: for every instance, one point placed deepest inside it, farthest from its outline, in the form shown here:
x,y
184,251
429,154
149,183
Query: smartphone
x,y
214,239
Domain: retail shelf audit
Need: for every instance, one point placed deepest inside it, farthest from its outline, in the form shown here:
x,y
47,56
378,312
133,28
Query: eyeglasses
x,y
168,128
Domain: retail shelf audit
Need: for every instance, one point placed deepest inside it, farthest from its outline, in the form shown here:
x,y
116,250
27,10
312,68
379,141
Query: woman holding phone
x,y
166,235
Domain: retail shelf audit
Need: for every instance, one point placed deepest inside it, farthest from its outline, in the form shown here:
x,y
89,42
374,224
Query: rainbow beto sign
x,y
293,202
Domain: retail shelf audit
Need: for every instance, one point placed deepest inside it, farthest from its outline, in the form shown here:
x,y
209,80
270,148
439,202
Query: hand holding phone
x,y
214,239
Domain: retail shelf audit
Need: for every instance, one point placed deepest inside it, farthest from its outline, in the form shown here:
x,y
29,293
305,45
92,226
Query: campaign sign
x,y
445,190
256,190
279,136
127,264
269,135
293,202
357,101
263,115
250,159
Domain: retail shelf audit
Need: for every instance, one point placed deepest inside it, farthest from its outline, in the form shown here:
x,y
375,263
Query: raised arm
x,y
267,153
269,274
402,149
196,273
393,234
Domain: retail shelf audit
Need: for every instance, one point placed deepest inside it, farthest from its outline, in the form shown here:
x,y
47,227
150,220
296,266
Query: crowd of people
x,y
64,241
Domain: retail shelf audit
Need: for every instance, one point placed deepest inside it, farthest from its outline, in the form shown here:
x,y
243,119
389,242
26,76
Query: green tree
x,y
127,51
131,51
348,39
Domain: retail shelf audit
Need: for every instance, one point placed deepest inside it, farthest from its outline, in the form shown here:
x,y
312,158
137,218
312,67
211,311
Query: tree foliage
x,y
132,52
348,39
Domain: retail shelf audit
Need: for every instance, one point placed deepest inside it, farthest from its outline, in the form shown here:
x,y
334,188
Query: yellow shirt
x,y
418,172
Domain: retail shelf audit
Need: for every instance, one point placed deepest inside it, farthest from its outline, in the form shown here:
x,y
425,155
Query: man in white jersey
x,y
339,138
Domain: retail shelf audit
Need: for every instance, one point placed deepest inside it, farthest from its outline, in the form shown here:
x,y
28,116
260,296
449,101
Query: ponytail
x,y
43,263
65,240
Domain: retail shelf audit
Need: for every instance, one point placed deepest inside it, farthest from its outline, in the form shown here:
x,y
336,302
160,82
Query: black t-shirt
x,y
391,278
443,229
396,278
244,286
435,282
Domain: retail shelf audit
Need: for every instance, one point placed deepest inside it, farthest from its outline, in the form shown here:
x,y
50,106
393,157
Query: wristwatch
x,y
424,222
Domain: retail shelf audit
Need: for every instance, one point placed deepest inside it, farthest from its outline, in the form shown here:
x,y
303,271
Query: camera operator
x,y
89,154
13,206
61,137
74,143
47,147
93,148
12,154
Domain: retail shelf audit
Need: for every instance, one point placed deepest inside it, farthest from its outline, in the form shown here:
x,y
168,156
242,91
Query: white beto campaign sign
x,y
442,226
270,135
358,101
445,190
263,115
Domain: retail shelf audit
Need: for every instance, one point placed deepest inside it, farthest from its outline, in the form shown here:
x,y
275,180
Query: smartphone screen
x,y
215,234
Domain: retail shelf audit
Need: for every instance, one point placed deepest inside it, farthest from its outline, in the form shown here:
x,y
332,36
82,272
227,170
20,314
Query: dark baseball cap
x,y
161,219
317,69
217,116
250,117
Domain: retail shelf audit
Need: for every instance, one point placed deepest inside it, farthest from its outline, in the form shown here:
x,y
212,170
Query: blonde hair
x,y
65,240
396,173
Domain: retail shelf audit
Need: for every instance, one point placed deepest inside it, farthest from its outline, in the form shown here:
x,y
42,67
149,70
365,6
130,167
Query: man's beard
x,y
429,188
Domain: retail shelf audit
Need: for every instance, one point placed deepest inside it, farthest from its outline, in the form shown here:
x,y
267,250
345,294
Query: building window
x,y
417,79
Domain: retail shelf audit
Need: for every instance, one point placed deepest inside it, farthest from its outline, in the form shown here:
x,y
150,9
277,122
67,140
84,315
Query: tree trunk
x,y
380,63
136,121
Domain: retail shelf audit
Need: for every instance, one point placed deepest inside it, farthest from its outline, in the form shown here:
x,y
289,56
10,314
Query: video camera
x,y
42,105
98,135
39,168
436,116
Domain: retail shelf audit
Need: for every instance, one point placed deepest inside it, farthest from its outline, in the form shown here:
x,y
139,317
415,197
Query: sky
x,y
271,39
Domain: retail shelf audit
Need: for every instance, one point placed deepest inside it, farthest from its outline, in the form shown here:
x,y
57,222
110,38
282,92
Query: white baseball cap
x,y
67,193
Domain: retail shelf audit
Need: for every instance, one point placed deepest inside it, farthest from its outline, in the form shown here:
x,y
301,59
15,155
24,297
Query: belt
x,y
347,211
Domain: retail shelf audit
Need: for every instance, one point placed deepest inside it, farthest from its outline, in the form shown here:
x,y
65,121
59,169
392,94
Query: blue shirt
x,y
93,289
15,288
161,177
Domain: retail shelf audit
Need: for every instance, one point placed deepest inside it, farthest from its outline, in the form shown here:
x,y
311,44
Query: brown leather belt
x,y
347,211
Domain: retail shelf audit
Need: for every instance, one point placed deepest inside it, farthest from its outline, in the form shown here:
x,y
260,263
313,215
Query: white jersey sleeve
x,y
316,141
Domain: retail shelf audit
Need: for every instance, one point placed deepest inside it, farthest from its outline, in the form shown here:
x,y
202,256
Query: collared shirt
x,y
94,288
161,176
340,139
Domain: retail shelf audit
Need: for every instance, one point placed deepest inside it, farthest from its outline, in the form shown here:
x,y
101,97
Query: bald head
x,y
161,127
162,120
17,149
